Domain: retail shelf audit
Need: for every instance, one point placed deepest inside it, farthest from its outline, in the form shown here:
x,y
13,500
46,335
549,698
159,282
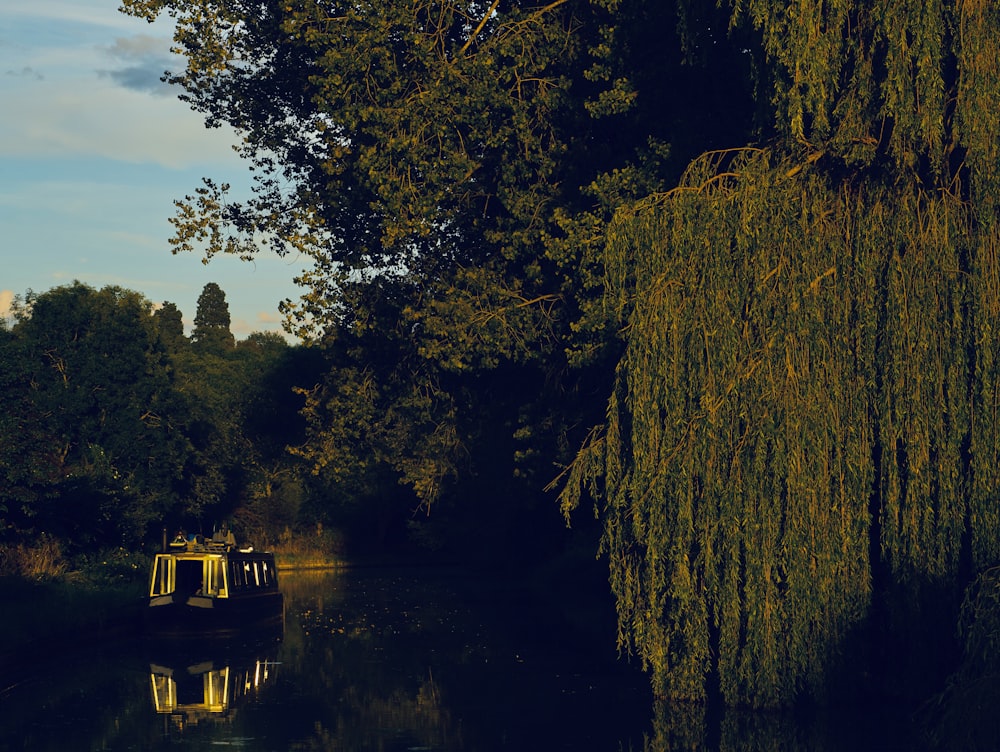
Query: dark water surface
x,y
392,661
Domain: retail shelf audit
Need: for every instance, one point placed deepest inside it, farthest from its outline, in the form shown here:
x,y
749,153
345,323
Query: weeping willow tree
x,y
805,411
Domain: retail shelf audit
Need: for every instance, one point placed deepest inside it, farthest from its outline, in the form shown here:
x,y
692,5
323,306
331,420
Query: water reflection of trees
x,y
690,727
372,662
387,663
418,720
354,655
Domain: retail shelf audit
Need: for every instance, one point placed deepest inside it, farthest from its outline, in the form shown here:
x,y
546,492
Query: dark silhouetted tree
x,y
211,320
170,324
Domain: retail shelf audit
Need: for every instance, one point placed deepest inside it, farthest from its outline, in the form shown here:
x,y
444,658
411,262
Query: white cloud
x,y
76,86
95,118
268,317
102,13
140,46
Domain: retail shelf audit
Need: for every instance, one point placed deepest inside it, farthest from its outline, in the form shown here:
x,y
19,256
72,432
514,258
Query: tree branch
x,y
479,28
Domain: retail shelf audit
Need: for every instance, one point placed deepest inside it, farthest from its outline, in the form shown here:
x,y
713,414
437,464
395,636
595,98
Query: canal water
x,y
391,661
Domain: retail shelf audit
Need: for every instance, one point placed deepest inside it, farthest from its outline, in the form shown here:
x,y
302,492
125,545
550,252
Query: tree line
x,y
116,424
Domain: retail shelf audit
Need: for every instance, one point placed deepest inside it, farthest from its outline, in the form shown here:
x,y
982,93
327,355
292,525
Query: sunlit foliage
x,y
810,373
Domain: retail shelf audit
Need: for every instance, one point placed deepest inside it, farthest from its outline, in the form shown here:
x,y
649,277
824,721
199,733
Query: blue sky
x,y
93,151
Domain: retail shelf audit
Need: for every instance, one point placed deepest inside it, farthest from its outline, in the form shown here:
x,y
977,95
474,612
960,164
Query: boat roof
x,y
200,550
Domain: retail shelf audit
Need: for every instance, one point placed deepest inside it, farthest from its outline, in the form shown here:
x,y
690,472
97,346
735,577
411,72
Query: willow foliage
x,y
984,516
924,410
958,720
736,527
810,369
810,373
916,80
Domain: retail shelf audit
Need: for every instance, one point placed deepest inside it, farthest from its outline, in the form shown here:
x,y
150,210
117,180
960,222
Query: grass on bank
x,y
321,548
49,597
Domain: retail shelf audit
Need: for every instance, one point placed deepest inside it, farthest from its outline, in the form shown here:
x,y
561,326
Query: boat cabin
x,y
214,574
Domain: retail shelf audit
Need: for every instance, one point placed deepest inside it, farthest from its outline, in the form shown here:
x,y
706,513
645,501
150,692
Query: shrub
x,y
114,567
40,559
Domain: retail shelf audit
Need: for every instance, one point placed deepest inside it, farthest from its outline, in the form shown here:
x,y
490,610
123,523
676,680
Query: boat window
x,y
250,573
214,579
237,579
163,576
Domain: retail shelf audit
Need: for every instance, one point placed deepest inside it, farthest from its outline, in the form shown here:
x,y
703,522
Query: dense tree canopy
x,y
92,417
791,310
115,424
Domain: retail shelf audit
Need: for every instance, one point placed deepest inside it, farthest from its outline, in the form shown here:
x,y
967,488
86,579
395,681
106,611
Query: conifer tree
x,y
170,324
211,320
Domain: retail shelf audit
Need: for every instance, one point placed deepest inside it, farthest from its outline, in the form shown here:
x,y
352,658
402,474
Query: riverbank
x,y
46,619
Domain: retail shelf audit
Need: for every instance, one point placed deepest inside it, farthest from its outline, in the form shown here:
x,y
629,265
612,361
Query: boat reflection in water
x,y
187,687
203,691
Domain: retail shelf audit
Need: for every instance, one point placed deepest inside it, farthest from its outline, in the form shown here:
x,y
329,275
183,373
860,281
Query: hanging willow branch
x,y
782,332
812,371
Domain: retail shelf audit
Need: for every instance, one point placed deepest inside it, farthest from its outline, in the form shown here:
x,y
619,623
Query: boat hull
x,y
179,616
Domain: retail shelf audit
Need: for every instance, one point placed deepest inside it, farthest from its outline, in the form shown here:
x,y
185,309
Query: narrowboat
x,y
206,587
